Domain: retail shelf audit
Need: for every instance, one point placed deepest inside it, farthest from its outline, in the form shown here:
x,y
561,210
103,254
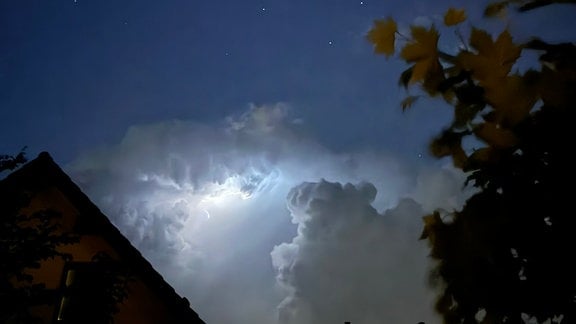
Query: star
x,y
330,43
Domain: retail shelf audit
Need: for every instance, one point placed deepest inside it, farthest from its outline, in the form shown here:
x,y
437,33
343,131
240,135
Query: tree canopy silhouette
x,y
25,241
29,238
508,254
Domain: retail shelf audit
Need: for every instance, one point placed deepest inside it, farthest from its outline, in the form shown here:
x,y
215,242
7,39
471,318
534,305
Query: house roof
x,y
43,172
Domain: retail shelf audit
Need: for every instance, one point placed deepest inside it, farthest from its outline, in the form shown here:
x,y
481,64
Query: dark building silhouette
x,y
78,287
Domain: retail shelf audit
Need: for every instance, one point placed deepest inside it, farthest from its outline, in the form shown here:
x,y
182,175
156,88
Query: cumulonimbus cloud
x,y
207,203
350,263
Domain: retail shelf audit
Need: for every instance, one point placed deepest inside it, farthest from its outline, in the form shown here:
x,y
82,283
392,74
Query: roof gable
x,y
42,173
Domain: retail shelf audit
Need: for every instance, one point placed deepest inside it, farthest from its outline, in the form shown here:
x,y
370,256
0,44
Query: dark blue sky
x,y
75,75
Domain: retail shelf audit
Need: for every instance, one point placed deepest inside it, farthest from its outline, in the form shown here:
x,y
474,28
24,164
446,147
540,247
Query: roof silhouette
x,y
42,173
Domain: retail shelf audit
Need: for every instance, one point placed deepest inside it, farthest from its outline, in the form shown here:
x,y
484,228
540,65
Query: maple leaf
x,y
433,78
481,41
494,60
383,36
481,157
454,16
496,9
556,88
422,51
506,52
512,99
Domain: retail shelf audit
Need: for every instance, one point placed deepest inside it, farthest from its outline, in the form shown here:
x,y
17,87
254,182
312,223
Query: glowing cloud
x,y
207,203
350,263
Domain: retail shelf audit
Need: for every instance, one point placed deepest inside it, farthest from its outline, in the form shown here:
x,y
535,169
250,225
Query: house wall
x,y
142,304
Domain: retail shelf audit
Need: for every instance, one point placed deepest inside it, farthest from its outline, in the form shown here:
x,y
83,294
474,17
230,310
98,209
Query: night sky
x,y
209,130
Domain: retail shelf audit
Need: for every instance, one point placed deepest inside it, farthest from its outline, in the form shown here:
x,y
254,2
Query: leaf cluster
x,y
506,251
96,290
10,162
26,240
498,9
117,276
29,239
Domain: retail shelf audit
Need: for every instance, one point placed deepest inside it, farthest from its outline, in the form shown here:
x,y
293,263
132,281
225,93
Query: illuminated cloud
x,y
206,204
350,263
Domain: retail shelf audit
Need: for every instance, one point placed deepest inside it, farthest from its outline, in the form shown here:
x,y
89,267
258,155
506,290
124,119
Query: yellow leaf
x,y
421,69
481,41
506,51
433,77
454,16
423,44
421,50
512,98
483,154
493,61
554,87
496,9
481,157
480,66
383,36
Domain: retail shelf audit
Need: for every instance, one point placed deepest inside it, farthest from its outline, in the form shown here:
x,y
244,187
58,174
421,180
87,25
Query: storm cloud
x,y
350,263
255,222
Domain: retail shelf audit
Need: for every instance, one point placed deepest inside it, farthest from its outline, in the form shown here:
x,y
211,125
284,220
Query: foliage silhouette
x,y
25,241
499,7
507,254
28,239
9,162
96,288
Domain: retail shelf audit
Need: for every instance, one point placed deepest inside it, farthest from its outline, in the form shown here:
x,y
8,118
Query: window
x,y
91,292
